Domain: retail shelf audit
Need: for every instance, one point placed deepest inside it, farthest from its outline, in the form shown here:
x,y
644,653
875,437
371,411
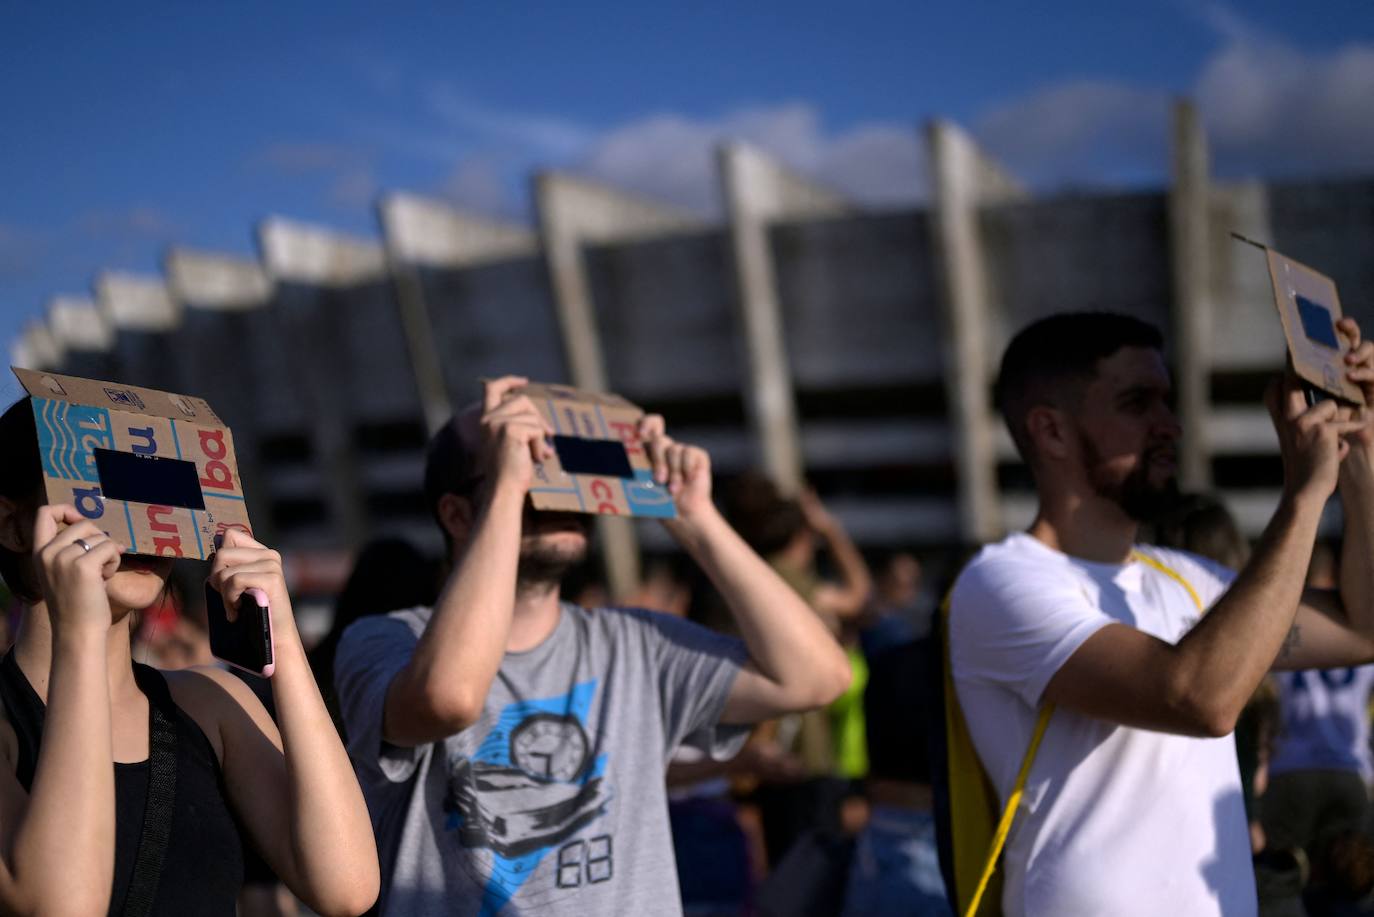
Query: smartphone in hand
x,y
245,642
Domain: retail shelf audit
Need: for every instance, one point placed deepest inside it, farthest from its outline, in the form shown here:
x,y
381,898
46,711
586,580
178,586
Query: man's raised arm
x,y
440,691
794,663
1199,685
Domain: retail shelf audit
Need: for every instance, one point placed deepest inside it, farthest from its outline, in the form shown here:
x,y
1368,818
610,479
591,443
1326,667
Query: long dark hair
x,y
21,480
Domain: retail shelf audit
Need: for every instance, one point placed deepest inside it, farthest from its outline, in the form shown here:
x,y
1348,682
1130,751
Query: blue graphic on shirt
x,y
530,785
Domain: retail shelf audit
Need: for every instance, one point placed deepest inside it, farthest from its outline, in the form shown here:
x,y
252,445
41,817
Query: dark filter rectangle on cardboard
x,y
603,457
1316,323
148,479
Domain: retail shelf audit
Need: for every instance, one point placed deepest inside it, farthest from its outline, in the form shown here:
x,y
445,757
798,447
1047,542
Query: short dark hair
x,y
1058,351
450,467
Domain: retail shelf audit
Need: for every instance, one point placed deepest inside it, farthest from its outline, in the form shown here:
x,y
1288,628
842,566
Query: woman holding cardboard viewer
x,y
78,836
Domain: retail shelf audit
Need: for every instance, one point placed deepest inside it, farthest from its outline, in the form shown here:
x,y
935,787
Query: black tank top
x,y
202,869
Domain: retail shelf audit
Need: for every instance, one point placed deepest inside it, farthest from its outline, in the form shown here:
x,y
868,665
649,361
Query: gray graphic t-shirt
x,y
554,802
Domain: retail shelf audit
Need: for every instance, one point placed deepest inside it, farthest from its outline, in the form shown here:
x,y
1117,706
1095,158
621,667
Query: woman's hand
x,y
241,564
74,559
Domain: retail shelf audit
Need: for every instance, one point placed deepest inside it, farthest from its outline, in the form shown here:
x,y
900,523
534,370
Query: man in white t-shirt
x,y
1133,805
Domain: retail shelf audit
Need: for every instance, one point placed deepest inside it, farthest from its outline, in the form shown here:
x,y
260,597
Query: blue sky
x,y
126,130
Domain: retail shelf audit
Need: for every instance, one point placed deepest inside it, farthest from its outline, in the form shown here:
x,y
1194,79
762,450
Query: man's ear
x,y
1048,430
455,514
15,522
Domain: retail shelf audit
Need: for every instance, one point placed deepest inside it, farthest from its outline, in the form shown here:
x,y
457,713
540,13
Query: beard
x,y
1140,498
542,563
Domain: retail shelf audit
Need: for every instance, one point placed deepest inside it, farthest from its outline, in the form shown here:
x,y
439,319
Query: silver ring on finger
x,y
84,545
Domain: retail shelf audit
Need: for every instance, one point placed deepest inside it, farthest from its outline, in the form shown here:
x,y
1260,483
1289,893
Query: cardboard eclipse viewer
x,y
600,465
1309,308
154,470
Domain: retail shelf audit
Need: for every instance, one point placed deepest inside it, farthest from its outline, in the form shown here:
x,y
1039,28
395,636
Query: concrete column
x,y
1189,247
758,190
215,281
574,212
961,180
85,336
143,315
219,295
138,302
427,234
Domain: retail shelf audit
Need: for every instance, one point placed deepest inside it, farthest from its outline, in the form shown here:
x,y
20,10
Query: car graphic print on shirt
x,y
532,784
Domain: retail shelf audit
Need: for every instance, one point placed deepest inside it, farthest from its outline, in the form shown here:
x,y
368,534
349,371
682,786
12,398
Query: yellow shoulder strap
x,y
971,791
1173,574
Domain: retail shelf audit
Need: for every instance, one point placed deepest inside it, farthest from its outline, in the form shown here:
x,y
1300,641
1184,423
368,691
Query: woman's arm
x,y
57,841
294,787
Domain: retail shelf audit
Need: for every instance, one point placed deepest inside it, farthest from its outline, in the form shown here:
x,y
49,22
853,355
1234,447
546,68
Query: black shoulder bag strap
x,y
162,791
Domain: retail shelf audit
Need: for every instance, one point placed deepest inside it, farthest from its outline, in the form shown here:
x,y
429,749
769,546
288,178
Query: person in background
x,y
1318,792
788,532
895,867
896,614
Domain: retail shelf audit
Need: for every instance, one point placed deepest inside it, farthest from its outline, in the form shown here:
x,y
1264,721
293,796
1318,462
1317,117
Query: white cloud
x,y
477,184
878,164
1082,131
347,172
546,135
1269,109
670,157
673,157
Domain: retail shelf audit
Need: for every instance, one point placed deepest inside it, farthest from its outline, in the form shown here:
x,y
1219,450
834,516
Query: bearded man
x,y
1133,802
511,745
